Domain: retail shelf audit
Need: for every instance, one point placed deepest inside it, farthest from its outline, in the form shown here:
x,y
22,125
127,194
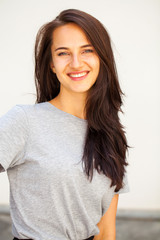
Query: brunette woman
x,y
65,155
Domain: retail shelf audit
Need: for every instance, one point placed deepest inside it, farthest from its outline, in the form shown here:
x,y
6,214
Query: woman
x,y
65,155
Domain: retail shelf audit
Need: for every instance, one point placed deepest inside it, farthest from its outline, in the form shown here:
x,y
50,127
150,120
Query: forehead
x,y
69,35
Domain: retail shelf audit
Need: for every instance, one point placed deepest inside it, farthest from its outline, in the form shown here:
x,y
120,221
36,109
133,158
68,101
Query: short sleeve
x,y
13,137
125,187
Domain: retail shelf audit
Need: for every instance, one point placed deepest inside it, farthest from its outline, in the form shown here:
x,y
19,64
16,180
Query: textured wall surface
x,y
134,29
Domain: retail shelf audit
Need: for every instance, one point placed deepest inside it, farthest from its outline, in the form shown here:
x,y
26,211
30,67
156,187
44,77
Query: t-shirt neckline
x,y
65,113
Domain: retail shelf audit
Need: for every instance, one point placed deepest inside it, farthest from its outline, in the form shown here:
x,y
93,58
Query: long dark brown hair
x,y
105,144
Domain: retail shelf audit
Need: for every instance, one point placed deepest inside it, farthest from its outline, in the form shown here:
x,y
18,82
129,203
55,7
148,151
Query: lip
x,y
78,78
76,72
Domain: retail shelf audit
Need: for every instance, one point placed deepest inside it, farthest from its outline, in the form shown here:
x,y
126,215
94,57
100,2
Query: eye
x,y
88,51
63,53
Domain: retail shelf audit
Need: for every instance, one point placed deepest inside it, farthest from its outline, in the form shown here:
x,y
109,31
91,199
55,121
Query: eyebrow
x,y
84,46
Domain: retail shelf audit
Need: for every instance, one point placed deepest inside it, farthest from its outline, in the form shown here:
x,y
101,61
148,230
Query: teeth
x,y
78,74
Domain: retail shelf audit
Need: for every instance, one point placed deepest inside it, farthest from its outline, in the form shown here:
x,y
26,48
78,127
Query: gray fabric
x,y
50,197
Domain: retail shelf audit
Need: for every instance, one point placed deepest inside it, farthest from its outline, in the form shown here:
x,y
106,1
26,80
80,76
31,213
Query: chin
x,y
81,91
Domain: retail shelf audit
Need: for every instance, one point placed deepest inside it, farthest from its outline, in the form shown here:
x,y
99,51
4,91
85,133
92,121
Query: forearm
x,y
107,236
107,230
107,224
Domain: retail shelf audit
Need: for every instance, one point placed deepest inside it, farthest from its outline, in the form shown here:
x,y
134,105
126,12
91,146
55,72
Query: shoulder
x,y
27,110
20,115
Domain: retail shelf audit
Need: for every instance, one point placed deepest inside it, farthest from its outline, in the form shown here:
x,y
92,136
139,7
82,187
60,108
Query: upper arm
x,y
107,224
13,137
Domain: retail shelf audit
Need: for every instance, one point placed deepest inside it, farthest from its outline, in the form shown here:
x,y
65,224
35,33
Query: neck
x,y
71,103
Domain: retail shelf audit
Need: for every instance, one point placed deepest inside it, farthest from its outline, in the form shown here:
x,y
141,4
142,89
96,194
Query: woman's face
x,y
74,59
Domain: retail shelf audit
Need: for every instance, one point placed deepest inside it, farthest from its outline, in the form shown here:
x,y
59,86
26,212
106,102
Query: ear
x,y
52,67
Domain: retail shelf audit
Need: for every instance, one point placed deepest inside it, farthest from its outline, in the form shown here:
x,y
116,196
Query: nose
x,y
76,61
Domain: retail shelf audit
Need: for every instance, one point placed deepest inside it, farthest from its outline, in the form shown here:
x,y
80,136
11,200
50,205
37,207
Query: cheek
x,y
93,62
60,64
96,65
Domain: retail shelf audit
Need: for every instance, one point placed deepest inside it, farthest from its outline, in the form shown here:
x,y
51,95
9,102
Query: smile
x,y
78,75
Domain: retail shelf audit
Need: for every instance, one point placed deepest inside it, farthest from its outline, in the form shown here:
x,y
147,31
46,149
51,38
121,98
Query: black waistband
x,y
90,238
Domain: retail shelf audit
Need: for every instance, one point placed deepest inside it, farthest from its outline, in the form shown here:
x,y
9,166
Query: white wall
x,y
134,28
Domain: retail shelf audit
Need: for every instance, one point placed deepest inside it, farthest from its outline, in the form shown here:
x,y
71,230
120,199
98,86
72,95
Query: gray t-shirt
x,y
51,198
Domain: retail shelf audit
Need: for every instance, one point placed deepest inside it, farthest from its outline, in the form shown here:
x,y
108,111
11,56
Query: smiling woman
x,y
74,61
66,154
